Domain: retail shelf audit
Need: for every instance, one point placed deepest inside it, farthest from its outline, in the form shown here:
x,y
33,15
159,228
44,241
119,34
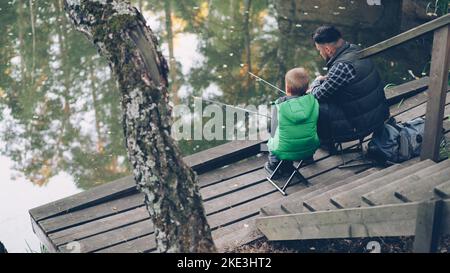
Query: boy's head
x,y
297,82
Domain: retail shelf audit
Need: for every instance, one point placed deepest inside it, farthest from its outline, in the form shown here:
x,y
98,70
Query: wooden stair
x,y
324,201
386,194
373,203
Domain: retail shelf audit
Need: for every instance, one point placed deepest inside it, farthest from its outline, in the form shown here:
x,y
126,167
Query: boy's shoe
x,y
270,168
308,161
284,170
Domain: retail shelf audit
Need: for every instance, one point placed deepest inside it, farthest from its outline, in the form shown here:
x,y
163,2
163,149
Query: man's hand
x,y
321,78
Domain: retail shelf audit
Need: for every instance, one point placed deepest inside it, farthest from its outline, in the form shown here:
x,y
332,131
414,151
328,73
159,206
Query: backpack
x,y
397,142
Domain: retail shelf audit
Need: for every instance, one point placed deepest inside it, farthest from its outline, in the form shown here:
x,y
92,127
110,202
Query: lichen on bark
x,y
172,196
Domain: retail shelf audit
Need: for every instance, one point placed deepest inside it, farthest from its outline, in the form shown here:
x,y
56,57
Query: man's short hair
x,y
326,35
298,81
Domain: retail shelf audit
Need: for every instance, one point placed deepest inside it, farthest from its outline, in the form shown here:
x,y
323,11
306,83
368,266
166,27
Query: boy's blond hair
x,y
297,80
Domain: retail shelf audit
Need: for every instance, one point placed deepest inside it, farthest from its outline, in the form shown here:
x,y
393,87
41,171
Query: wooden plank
x,y
424,188
92,213
231,171
97,195
237,183
440,64
350,196
427,226
387,175
224,154
143,244
116,236
384,194
380,221
396,93
443,190
405,36
233,236
89,229
347,223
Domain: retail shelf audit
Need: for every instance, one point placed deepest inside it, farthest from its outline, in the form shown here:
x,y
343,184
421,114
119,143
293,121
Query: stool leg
x,y
273,183
276,169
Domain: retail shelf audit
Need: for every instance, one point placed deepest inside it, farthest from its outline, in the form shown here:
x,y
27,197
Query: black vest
x,y
357,109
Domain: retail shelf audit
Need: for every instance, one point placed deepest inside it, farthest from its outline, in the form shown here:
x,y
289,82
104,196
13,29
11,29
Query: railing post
x,y
438,87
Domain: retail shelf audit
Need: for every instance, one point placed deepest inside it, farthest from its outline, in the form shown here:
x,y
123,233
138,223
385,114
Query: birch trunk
x,y
172,196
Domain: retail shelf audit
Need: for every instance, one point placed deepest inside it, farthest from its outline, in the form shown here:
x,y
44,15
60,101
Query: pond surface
x,y
60,116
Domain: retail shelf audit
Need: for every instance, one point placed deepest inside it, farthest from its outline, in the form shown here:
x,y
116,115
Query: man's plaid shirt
x,y
339,75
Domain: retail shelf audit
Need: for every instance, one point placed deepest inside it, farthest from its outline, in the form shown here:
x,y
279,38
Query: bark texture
x,y
120,33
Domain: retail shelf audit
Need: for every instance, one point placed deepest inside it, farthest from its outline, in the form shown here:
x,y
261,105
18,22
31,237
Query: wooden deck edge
x,y
103,193
379,221
42,236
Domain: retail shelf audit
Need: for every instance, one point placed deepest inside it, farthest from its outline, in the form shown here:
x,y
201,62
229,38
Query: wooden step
x,y
319,200
380,221
322,202
293,202
352,197
423,189
341,183
385,194
443,190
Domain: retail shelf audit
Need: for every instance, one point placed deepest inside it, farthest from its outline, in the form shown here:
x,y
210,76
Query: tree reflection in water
x,y
60,105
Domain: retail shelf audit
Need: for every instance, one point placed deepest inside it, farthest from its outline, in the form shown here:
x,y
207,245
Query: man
x,y
294,125
351,96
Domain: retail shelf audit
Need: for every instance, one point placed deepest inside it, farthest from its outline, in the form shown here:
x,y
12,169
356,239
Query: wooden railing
x,y
438,84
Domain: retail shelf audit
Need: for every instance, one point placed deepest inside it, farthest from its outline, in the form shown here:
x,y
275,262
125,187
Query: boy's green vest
x,y
296,135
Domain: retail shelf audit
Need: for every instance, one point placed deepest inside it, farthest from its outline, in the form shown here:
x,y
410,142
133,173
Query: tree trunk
x,y
171,193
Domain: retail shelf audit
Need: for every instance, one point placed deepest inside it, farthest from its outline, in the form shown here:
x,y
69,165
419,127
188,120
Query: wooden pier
x,y
232,180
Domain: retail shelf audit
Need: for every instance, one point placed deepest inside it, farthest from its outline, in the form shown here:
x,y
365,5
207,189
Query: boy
x,y
294,124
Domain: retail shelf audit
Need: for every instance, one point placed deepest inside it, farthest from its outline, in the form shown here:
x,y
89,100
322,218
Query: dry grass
x,y
388,245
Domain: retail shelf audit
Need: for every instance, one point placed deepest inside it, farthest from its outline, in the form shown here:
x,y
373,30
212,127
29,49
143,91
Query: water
x,y
60,116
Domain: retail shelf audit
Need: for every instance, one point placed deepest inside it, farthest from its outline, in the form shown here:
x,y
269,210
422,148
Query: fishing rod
x,y
266,82
231,106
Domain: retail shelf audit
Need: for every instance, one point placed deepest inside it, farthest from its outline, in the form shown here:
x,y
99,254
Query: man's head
x,y
297,81
328,40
